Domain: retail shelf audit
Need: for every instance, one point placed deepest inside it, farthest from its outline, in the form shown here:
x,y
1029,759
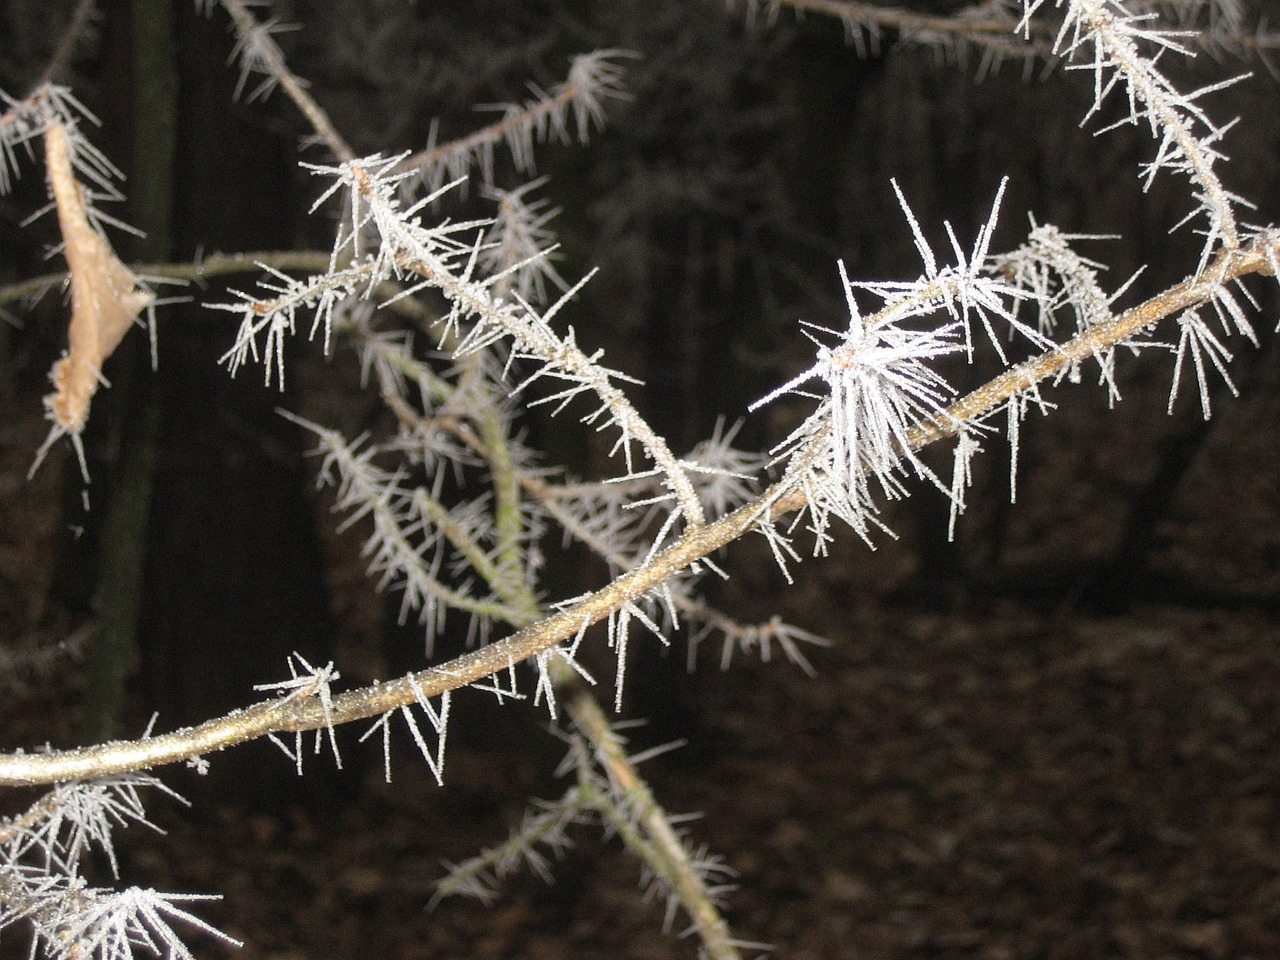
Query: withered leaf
x,y
105,298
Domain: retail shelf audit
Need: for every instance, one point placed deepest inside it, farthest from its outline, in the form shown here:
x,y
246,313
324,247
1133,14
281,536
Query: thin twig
x,y
667,855
75,26
247,26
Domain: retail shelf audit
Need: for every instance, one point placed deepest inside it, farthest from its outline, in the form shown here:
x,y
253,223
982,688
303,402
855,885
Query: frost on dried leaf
x,y
105,298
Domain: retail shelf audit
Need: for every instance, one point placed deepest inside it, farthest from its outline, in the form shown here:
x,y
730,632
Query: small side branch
x,y
661,847
259,52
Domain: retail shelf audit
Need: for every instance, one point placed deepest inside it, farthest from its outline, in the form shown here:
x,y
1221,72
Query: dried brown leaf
x,y
105,298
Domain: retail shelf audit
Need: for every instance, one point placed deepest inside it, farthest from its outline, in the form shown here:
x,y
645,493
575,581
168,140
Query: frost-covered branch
x,y
435,258
623,797
1117,38
573,107
411,531
258,53
989,26
26,121
1260,255
41,884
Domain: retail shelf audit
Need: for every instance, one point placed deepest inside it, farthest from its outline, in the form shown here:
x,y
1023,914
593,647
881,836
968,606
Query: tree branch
x,y
298,714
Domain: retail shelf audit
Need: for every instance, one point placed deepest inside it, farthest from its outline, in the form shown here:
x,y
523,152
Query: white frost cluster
x,y
40,882
880,387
